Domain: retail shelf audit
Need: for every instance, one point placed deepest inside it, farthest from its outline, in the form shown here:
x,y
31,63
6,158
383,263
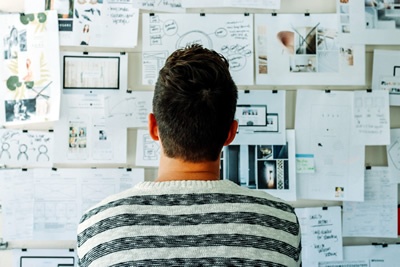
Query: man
x,y
188,217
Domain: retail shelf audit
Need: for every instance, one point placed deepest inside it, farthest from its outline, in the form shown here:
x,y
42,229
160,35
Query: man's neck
x,y
171,169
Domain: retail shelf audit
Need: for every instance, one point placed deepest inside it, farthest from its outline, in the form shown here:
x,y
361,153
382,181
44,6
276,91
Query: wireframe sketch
x,y
231,35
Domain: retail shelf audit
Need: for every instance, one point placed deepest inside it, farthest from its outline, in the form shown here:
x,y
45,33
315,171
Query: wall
x,y
375,155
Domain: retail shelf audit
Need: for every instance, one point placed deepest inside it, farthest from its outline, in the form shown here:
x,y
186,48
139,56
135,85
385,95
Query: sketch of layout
x,y
228,34
147,150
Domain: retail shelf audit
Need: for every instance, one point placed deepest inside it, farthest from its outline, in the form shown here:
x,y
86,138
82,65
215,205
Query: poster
x,y
29,68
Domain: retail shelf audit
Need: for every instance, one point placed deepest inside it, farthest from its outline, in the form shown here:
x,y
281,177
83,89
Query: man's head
x,y
194,104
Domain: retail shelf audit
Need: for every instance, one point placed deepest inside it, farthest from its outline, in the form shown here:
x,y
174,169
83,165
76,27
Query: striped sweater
x,y
189,223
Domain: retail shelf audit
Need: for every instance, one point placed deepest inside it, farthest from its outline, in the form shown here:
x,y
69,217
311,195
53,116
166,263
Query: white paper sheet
x,y
371,117
22,6
264,4
386,73
44,257
81,134
293,49
97,23
29,69
323,127
377,255
147,150
369,22
321,234
393,155
46,204
26,148
377,215
228,34
267,166
262,116
17,195
128,109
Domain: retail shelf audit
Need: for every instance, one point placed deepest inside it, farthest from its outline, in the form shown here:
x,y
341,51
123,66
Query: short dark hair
x,y
194,104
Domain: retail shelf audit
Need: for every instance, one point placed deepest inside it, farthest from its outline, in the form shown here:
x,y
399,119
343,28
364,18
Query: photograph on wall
x,y
29,68
96,23
305,49
229,34
266,167
369,21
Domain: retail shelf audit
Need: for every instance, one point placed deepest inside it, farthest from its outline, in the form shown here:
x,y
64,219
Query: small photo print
x,y
102,135
20,110
339,192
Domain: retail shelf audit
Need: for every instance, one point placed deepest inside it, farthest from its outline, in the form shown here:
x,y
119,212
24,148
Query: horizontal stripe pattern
x,y
187,200
217,224
187,219
234,240
204,262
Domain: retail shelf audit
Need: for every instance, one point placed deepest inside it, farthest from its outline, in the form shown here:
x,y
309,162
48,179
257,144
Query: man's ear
x,y
153,128
232,132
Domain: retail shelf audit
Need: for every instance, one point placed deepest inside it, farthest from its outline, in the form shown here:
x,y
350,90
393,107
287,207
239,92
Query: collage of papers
x,y
59,67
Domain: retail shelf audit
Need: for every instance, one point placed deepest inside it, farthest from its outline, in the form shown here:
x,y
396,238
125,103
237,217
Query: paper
x,y
261,115
371,117
323,125
393,156
46,204
99,73
377,215
29,69
321,234
97,23
26,148
22,6
377,255
386,73
128,109
17,197
369,21
267,166
264,4
44,257
228,34
147,150
82,136
294,49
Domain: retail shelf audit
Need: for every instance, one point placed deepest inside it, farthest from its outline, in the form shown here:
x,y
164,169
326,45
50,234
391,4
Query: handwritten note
x,y
371,119
321,234
165,5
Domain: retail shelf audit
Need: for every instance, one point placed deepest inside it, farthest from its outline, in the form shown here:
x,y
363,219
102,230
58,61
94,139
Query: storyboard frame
x,y
88,72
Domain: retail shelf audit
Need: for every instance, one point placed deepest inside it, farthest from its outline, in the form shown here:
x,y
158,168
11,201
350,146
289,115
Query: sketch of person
x,y
29,74
85,35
